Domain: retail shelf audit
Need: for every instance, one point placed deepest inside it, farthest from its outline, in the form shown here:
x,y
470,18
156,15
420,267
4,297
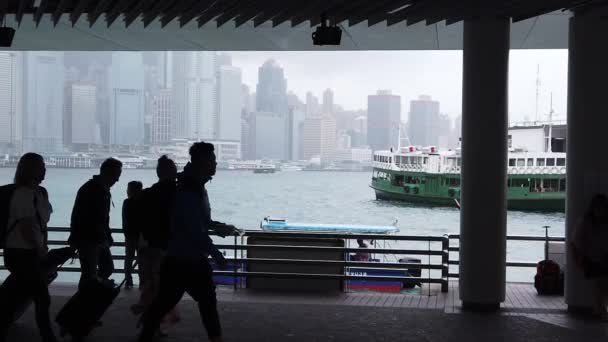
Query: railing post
x,y
235,265
445,263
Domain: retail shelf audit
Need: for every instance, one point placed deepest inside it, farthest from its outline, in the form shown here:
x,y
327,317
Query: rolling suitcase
x,y
21,302
82,312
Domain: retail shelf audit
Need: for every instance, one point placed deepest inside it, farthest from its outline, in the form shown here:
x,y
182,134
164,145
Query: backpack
x,y
6,194
549,278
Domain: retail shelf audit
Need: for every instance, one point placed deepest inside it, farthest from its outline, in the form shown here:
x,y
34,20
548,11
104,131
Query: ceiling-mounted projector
x,y
326,35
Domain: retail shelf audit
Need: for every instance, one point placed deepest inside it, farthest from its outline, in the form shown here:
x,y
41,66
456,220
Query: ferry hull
x,y
537,204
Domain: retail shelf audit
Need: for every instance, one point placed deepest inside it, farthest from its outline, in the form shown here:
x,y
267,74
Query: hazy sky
x,y
354,75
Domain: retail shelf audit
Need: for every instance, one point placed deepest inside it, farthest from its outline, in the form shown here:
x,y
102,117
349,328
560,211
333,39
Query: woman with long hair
x,y
26,241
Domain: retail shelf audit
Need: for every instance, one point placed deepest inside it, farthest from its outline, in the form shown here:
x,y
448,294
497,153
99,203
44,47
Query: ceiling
x,y
278,24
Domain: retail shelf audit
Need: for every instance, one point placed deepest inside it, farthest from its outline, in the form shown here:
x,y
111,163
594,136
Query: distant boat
x,y
265,168
536,180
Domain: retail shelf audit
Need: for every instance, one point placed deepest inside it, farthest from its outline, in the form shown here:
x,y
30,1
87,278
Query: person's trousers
x,y
31,281
177,277
130,249
95,261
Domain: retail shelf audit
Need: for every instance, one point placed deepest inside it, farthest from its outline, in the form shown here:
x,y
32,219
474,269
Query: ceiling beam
x,y
377,12
269,12
313,12
182,7
158,8
59,10
136,11
40,11
23,5
218,8
120,7
249,9
101,7
81,6
199,9
287,13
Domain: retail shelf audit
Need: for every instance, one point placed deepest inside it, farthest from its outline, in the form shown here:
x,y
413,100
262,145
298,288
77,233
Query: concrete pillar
x,y
587,138
484,163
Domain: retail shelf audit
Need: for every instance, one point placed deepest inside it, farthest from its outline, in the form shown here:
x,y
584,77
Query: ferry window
x,y
562,184
521,162
459,161
530,162
550,162
540,162
511,162
561,161
390,159
426,160
520,183
551,185
419,160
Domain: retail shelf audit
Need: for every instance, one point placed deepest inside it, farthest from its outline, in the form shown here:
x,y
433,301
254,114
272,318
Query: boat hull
x,y
549,204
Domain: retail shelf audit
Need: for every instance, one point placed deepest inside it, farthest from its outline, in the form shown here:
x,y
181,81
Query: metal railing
x,y
524,238
435,247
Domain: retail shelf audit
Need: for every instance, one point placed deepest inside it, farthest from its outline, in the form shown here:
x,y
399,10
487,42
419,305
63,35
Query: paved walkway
x,y
254,316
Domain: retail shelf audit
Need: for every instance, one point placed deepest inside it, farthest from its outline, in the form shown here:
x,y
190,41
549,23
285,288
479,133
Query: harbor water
x,y
244,198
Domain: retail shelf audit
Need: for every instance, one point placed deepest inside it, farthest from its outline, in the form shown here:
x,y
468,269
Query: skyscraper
x,y
328,102
194,95
312,105
424,123
127,99
319,138
161,117
43,101
270,132
228,123
383,118
11,101
271,89
80,124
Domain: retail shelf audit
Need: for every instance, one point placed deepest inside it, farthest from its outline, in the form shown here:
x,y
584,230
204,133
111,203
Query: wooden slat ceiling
x,y
277,12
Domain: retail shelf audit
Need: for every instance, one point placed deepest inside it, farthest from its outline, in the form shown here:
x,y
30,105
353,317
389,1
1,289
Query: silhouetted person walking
x,y
130,228
186,267
156,202
26,244
90,225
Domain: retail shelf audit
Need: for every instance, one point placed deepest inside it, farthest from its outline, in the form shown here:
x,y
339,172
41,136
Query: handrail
x,y
348,265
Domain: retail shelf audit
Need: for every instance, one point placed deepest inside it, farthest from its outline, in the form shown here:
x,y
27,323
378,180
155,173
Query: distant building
x,y
229,104
295,128
362,155
312,106
226,150
11,101
161,117
80,124
328,102
445,131
271,91
424,124
127,99
194,94
383,118
247,139
270,132
43,101
319,138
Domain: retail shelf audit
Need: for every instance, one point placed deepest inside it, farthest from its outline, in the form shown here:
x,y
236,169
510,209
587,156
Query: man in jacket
x,y
90,224
186,267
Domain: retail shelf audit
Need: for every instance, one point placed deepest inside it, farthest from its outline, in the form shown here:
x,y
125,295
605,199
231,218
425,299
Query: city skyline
x,y
151,98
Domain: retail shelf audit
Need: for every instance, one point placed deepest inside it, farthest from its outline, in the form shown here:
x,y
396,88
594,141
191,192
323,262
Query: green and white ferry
x,y
536,180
